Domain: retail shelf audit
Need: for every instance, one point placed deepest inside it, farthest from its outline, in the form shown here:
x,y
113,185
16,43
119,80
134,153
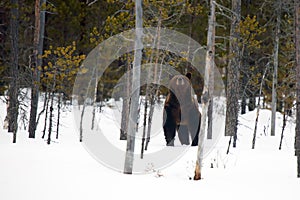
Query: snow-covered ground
x,y
31,169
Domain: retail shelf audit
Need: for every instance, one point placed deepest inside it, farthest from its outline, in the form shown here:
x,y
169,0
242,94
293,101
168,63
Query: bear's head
x,y
180,86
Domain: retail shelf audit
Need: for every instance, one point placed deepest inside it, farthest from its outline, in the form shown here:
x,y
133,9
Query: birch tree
x,y
297,33
206,93
133,114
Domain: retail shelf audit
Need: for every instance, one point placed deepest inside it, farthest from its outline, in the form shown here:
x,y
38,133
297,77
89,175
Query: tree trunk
x,y
275,72
126,105
154,89
95,99
243,90
211,91
206,96
252,102
243,104
38,51
232,96
81,122
50,118
151,111
145,121
59,102
297,41
283,127
13,91
211,46
129,157
258,108
47,96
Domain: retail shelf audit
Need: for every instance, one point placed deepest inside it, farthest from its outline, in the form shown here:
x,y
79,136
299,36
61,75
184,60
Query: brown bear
x,y
181,112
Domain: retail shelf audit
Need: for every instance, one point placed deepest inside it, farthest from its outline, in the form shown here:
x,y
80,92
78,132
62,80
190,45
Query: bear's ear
x,y
189,75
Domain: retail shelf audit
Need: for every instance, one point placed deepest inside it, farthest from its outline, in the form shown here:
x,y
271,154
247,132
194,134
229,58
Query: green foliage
x,y
250,31
60,69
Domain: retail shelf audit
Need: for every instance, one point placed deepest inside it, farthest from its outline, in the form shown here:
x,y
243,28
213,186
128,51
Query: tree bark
x,y
145,122
38,51
47,96
283,127
13,91
232,96
95,100
129,157
297,41
206,96
126,105
275,72
59,102
50,118
211,47
258,107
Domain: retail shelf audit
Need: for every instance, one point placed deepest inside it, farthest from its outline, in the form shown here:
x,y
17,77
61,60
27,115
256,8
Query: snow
x,y
31,169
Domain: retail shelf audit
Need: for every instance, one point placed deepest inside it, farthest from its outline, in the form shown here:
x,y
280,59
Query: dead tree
x,y
129,157
206,95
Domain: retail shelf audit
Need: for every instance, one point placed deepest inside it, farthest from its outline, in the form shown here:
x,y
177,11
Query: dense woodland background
x,y
43,43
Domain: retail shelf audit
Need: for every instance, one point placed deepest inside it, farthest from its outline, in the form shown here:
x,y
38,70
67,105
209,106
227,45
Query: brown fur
x,y
182,112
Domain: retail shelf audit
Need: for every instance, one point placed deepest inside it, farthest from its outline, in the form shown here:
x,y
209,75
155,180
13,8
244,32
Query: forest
x,y
254,44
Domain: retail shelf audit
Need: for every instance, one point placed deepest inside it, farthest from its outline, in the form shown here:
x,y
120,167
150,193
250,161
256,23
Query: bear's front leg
x,y
169,126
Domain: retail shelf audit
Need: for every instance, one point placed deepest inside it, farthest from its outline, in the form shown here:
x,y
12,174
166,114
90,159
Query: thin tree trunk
x,y
81,122
129,157
51,109
275,72
151,111
297,41
244,96
44,107
13,90
258,108
283,127
38,51
58,114
145,122
46,115
50,118
154,88
232,108
206,96
229,144
95,99
256,122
